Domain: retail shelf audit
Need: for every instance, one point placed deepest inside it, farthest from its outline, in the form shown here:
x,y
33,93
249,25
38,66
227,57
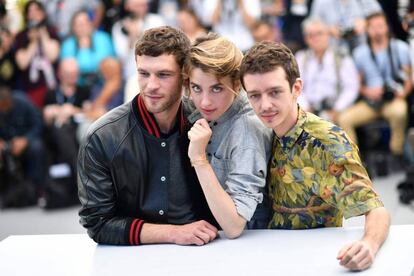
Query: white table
x,y
259,252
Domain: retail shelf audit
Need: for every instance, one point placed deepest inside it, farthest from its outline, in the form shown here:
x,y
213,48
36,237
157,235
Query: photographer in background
x,y
127,30
233,19
37,50
330,77
20,137
386,81
8,66
346,19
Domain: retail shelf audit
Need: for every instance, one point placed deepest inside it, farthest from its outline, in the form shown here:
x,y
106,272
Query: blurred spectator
x,y
37,50
126,31
10,17
63,108
199,6
65,102
8,66
106,93
20,130
295,12
168,10
345,18
263,30
408,25
272,9
189,23
408,19
233,19
113,11
88,46
385,72
61,13
395,19
330,77
3,13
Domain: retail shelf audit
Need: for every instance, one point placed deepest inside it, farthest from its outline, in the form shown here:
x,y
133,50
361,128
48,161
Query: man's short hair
x,y
164,40
313,21
375,15
266,56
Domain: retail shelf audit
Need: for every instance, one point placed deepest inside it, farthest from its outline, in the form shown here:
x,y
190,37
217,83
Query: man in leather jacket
x,y
136,184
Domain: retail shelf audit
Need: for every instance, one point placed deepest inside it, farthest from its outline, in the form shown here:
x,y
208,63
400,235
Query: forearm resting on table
x,y
377,224
157,233
197,233
220,203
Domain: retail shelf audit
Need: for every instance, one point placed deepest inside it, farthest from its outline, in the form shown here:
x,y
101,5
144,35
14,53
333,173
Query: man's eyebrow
x,y
165,71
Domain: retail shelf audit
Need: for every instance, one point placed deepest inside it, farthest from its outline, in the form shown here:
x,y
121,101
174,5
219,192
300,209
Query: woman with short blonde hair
x,y
229,146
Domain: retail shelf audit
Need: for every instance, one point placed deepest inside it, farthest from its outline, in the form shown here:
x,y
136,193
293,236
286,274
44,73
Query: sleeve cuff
x,y
363,208
134,233
246,206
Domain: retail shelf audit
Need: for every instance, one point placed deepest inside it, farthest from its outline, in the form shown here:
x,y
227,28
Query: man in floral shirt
x,y
316,176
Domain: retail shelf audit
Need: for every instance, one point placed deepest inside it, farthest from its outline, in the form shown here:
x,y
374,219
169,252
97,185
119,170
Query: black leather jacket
x,y
119,182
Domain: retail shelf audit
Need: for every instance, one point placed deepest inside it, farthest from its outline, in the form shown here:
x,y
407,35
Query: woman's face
x,y
187,22
35,13
211,96
82,25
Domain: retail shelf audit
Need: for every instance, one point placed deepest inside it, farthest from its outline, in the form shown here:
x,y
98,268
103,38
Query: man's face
x,y
377,28
138,7
264,32
68,75
160,82
317,37
272,99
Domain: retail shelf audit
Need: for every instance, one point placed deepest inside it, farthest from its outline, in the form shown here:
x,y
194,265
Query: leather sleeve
x,y
97,194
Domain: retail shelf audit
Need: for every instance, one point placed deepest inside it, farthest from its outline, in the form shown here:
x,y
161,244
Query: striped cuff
x,y
135,231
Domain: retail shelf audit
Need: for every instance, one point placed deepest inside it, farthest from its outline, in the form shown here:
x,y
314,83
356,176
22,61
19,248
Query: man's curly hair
x,y
266,56
164,40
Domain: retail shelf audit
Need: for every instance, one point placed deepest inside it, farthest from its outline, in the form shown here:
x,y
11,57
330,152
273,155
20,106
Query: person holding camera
x,y
386,81
330,76
346,19
88,46
127,30
37,51
233,20
20,140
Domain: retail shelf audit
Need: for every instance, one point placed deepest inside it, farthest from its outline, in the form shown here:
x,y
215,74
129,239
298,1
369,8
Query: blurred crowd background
x,y
65,63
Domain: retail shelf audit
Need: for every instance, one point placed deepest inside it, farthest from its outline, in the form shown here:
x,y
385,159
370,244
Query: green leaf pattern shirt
x,y
316,177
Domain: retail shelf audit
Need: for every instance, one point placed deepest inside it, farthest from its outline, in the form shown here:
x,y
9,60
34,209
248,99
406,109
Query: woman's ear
x,y
186,85
237,86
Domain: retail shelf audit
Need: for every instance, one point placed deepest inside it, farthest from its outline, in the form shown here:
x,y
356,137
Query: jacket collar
x,y
148,122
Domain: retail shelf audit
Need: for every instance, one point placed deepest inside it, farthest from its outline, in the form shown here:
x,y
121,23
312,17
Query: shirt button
x,y
215,123
161,212
163,144
162,178
209,154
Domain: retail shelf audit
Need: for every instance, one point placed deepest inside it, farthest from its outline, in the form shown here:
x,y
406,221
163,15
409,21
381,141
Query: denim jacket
x,y
238,151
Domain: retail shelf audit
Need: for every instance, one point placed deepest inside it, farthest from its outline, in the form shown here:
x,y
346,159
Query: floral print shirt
x,y
316,177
